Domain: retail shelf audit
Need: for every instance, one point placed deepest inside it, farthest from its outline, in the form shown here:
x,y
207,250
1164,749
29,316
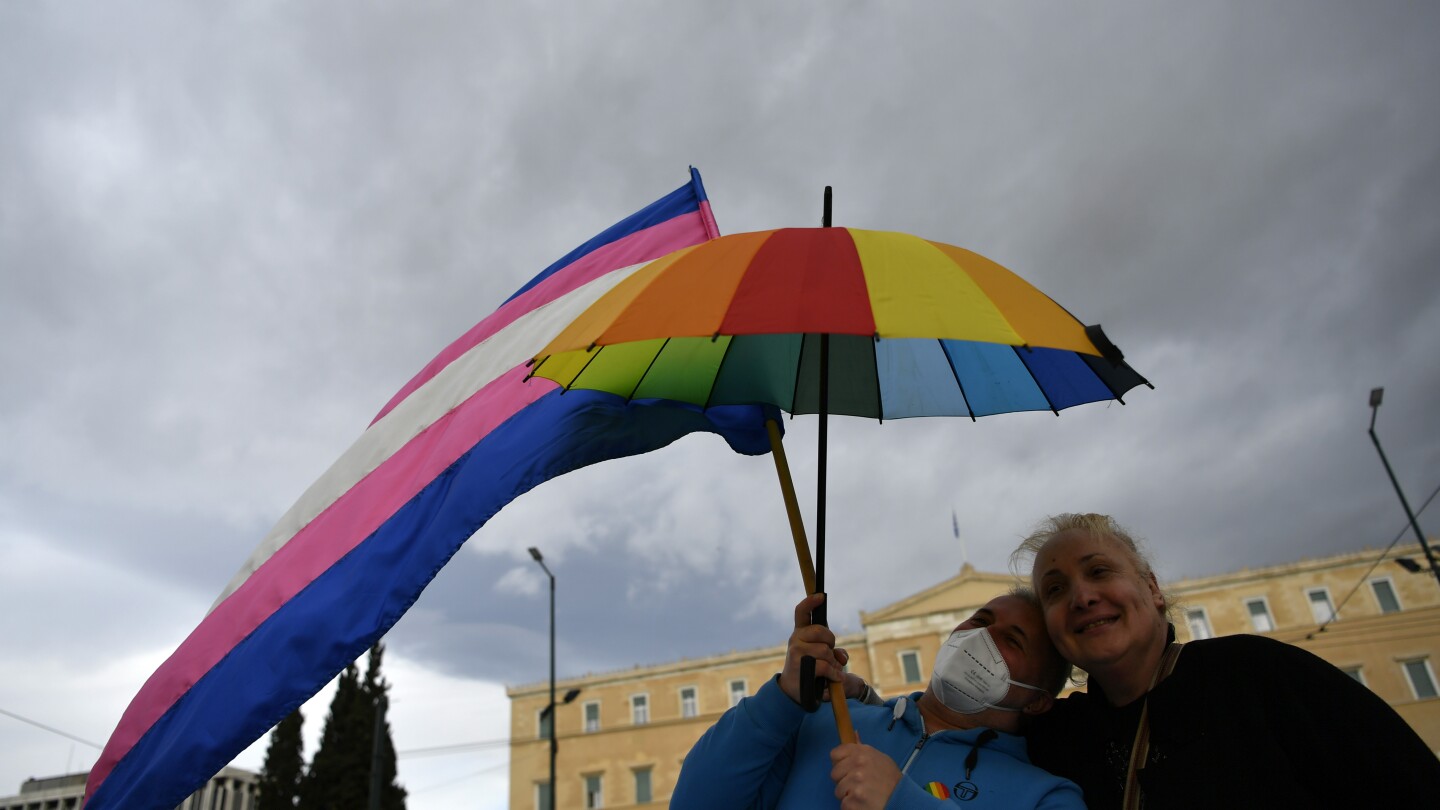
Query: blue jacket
x,y
767,752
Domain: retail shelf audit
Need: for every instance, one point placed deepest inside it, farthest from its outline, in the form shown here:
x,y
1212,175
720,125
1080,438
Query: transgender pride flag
x,y
462,439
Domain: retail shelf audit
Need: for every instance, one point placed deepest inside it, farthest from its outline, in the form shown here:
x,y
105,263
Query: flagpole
x,y
955,523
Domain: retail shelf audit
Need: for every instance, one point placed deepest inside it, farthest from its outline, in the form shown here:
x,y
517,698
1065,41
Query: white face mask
x,y
970,675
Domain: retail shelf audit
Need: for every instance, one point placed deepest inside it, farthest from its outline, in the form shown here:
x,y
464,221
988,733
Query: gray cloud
x,y
227,236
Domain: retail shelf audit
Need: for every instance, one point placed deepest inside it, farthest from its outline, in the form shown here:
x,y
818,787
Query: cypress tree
x,y
377,689
338,778
339,775
284,765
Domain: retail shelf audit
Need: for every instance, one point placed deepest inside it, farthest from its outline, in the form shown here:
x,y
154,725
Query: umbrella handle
x,y
842,713
807,572
810,687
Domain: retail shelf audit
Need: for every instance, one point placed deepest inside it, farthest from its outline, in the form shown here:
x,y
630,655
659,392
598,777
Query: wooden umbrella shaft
x,y
792,506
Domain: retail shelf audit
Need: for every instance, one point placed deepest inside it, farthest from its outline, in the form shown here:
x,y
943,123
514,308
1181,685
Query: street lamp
x,y
1376,395
569,696
548,713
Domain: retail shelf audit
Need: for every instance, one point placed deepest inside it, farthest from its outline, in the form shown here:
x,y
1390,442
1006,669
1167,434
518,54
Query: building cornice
x,y
1180,587
684,665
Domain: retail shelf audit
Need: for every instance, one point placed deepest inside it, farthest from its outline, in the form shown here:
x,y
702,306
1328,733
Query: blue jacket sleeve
x,y
744,759
1065,796
908,795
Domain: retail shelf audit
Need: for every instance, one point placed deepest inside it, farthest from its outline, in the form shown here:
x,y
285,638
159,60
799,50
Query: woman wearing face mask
x,y
1236,721
955,741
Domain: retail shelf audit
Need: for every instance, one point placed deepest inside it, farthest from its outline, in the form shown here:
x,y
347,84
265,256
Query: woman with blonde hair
x,y
1239,721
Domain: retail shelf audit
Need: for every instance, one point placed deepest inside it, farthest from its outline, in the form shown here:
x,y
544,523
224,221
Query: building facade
x,y
231,789
623,739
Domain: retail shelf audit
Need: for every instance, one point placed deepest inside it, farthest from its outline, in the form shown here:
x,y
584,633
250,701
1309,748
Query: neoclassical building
x,y
623,738
231,789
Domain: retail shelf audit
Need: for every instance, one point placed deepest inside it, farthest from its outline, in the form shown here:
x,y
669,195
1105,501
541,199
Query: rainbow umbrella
x,y
914,328
835,320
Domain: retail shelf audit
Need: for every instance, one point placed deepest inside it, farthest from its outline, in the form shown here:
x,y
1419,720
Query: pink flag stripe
x,y
624,252
476,368
317,547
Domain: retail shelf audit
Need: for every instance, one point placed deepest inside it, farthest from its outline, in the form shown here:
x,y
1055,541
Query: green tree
x,y
377,689
339,775
284,765
331,783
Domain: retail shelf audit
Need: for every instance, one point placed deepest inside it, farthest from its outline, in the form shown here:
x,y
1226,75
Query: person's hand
x,y
817,642
864,777
855,686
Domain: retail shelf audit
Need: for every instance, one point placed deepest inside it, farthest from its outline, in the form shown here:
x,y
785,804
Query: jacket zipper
x,y
915,752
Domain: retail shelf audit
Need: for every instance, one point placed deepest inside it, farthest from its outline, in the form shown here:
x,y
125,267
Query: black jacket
x,y
1243,721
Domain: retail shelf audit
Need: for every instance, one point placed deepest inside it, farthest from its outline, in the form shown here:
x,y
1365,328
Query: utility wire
x,y
1335,614
456,748
51,730
487,769
471,775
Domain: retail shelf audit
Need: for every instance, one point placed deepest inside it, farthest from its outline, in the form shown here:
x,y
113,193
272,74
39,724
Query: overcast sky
x,y
229,233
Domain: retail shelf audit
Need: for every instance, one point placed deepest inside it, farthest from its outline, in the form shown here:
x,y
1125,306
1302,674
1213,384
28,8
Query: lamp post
x,y
1376,395
550,707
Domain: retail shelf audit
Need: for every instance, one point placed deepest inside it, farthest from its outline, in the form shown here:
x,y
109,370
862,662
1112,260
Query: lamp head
x,y
535,552
1376,394
571,695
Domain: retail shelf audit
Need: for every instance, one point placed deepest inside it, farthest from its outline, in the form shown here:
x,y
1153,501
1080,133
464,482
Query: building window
x,y
1385,595
737,691
910,665
1321,608
594,791
542,796
542,724
689,702
592,717
642,786
1260,614
1356,673
1421,677
1199,623
639,709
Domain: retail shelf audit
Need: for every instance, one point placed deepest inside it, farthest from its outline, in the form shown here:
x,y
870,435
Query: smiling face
x,y
1018,629
1103,611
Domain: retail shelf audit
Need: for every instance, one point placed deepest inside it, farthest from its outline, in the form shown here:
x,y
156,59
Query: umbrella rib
x,y
1038,386
535,367
1108,387
954,372
1112,356
879,398
651,365
799,364
594,352
720,367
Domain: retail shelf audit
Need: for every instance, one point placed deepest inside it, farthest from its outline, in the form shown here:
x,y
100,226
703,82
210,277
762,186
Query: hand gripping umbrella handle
x,y
810,686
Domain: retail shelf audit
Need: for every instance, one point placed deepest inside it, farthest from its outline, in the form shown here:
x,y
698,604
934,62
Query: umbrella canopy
x,y
916,328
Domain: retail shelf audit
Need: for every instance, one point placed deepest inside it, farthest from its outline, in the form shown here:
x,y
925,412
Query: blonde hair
x,y
1057,670
1095,525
